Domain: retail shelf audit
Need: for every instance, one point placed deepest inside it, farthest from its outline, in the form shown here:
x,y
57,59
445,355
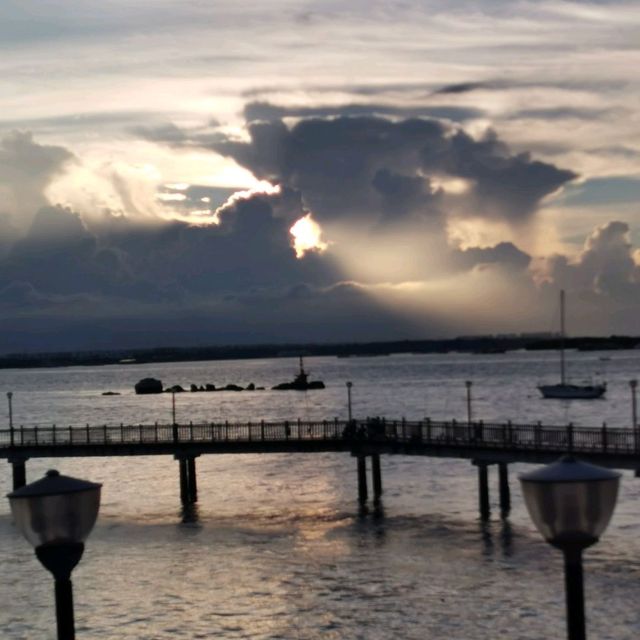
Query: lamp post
x,y
56,514
633,384
468,384
571,503
349,385
173,405
10,399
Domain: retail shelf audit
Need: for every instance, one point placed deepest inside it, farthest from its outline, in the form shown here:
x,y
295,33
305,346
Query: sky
x,y
185,173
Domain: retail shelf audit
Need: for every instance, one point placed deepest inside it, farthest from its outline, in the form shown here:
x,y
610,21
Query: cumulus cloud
x,y
383,193
26,169
605,266
334,163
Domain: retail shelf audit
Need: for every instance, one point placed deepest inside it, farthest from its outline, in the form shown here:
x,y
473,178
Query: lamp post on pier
x,y
56,514
571,503
349,385
633,385
174,424
468,384
10,399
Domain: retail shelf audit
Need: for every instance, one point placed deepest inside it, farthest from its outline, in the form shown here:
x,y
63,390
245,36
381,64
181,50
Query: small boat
x,y
565,390
300,383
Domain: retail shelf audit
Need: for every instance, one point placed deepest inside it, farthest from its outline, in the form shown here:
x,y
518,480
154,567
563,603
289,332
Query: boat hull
x,y
572,391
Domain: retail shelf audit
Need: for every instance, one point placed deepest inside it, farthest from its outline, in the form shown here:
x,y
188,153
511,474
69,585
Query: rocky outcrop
x,y
175,389
148,385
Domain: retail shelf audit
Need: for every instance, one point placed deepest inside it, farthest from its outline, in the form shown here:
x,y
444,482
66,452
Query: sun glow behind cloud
x,y
307,236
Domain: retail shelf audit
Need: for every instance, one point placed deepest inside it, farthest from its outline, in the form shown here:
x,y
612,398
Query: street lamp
x,y
349,385
10,399
633,384
56,514
468,384
571,503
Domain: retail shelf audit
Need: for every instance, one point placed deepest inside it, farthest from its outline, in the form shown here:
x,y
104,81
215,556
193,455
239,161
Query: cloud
x,y
268,111
504,253
465,87
26,170
334,163
605,266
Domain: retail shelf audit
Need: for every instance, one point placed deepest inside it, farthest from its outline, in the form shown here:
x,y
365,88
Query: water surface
x,y
280,549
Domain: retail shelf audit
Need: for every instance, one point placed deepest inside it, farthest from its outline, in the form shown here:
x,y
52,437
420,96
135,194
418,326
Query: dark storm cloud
x,y
58,256
401,195
505,185
249,249
333,163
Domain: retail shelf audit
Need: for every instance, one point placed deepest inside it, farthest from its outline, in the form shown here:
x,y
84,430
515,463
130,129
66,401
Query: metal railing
x,y
477,435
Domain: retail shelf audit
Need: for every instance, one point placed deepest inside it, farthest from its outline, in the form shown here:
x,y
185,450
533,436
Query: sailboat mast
x,y
562,337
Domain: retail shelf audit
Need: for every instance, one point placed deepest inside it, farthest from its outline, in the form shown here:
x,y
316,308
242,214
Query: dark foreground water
x,y
279,548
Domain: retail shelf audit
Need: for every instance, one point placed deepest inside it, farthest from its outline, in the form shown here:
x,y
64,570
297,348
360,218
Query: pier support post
x,y
188,479
376,475
483,490
19,468
505,492
193,483
184,481
362,479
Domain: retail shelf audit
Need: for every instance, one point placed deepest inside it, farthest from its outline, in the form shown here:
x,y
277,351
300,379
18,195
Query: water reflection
x,y
489,539
190,514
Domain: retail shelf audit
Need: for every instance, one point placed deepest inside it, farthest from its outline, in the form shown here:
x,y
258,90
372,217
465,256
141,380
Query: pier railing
x,y
378,431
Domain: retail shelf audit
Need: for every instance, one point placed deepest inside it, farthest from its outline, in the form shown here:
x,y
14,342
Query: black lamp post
x,y
633,385
349,385
468,384
10,400
56,514
571,503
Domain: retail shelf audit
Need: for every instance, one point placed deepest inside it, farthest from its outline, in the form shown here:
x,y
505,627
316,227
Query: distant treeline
x,y
478,345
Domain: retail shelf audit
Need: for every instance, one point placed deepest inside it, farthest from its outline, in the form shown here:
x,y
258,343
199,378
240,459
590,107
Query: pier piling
x,y
193,482
376,475
483,490
188,480
19,468
505,492
184,481
362,479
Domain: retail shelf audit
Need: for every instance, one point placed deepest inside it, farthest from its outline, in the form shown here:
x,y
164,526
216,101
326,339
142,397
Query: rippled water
x,y
280,548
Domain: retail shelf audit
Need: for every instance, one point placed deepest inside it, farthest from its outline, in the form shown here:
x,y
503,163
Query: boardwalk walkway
x,y
513,442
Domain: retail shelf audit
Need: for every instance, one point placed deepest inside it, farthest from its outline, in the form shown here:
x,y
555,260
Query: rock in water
x,y
148,385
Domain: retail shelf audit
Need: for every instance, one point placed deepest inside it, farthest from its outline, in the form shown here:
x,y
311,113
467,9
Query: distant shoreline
x,y
466,344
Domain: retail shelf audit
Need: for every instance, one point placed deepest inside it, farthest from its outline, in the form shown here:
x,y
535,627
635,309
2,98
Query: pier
x,y
484,444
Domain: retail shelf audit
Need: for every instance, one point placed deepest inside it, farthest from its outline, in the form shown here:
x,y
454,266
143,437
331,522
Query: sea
x,y
278,547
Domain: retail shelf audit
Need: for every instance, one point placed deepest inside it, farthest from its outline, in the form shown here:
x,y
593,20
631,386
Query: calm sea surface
x,y
280,549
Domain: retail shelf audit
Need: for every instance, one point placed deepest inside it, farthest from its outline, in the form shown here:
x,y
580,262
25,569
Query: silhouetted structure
x,y
484,444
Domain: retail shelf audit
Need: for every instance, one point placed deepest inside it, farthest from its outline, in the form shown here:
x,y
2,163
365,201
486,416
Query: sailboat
x,y
564,390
